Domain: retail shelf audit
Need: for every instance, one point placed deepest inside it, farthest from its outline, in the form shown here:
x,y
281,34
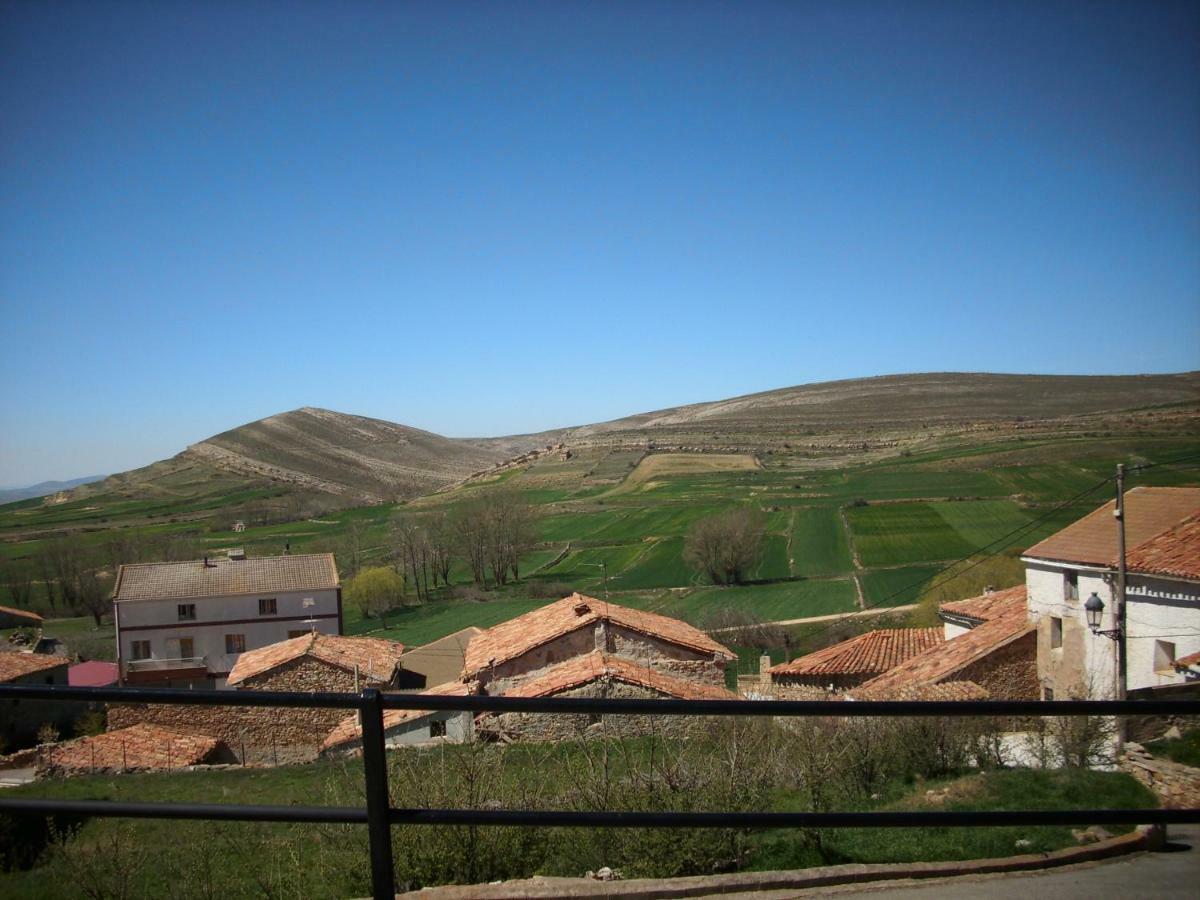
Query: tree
x,y
375,590
92,593
18,583
725,547
493,531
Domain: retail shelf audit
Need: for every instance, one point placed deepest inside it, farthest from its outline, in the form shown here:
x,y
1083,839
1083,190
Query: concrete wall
x,y
459,729
158,621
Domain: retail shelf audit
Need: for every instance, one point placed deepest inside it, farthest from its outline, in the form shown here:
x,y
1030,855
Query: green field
x,y
819,545
894,587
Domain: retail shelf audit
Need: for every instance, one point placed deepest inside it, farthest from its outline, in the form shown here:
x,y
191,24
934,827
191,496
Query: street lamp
x,y
1094,607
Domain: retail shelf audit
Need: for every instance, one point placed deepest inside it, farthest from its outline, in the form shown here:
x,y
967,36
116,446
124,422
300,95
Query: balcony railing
x,y
379,815
158,665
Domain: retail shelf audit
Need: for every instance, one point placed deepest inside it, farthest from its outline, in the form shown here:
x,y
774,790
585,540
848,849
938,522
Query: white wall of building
x,y
1159,611
158,622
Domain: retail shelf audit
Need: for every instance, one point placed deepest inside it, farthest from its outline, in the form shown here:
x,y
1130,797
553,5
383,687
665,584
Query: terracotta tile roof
x,y
592,666
946,690
1174,552
16,664
141,746
225,577
1092,540
511,639
376,658
94,673
943,661
33,617
874,652
985,607
349,730
1186,662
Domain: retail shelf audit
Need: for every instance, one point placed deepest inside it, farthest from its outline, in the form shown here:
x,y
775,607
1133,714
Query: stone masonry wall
x,y
557,727
1177,785
268,734
1009,673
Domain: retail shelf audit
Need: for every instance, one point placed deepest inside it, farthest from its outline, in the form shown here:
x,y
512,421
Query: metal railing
x,y
379,815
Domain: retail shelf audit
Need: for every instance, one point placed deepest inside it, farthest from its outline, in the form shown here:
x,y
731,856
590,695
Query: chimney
x,y
582,609
764,663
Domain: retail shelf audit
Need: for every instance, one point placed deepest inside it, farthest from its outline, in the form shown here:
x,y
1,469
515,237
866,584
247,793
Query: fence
x,y
379,815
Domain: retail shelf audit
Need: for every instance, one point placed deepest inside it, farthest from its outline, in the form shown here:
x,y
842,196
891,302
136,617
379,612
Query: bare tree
x,y
725,547
467,524
18,584
441,548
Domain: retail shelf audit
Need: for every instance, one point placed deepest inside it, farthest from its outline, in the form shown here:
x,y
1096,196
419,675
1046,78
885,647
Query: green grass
x,y
661,566
894,587
1184,749
895,534
768,602
819,545
1015,789
421,624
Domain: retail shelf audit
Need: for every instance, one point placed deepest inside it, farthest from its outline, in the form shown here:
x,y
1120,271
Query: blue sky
x,y
494,218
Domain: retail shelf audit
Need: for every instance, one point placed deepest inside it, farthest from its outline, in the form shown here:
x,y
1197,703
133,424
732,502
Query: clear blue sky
x,y
485,219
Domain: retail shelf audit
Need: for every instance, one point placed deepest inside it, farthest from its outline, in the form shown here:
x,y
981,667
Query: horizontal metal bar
x,y
600,819
621,819
611,706
223,812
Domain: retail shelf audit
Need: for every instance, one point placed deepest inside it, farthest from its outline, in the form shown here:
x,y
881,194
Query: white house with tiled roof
x,y
185,624
1162,616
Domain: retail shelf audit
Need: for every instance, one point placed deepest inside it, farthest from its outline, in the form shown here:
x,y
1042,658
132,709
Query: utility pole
x,y
1122,656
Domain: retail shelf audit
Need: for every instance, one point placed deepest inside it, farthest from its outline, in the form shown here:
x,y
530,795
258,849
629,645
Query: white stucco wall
x,y
459,728
1159,609
1085,665
158,622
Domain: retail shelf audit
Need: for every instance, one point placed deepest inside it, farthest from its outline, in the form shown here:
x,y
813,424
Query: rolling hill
x,y
365,460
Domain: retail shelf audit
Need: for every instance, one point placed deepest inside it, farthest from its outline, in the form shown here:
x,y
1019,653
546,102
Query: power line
x,y
1005,538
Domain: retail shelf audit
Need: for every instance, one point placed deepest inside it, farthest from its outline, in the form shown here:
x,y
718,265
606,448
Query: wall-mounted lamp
x,y
1094,607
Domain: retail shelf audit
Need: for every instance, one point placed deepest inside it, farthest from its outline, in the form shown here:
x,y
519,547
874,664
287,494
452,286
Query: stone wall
x,y
560,727
1009,673
1177,785
256,734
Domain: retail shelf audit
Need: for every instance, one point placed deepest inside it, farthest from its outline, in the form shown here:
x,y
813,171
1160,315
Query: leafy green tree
x,y
375,590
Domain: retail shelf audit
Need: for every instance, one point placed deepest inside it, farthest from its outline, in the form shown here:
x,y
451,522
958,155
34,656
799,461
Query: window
x,y
139,650
1164,657
187,612
266,606
235,643
1047,693
1071,586
437,728
1055,633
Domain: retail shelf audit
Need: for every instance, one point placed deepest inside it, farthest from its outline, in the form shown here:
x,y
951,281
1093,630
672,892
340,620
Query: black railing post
x,y
370,713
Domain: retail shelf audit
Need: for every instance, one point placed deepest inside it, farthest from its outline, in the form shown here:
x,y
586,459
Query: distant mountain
x,y
44,488
369,460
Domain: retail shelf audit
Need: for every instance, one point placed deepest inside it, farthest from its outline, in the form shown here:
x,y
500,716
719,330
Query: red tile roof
x,y
593,666
946,690
1174,552
226,577
872,653
376,658
1092,540
15,664
349,730
985,607
141,746
93,673
945,660
518,636
1185,662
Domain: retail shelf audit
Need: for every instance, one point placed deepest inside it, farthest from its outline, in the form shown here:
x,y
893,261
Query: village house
x,y
185,624
21,719
19,618
311,662
853,662
1077,566
991,645
408,727
502,657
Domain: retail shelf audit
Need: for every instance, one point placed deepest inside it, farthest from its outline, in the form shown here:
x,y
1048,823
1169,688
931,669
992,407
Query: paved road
x,y
1174,873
